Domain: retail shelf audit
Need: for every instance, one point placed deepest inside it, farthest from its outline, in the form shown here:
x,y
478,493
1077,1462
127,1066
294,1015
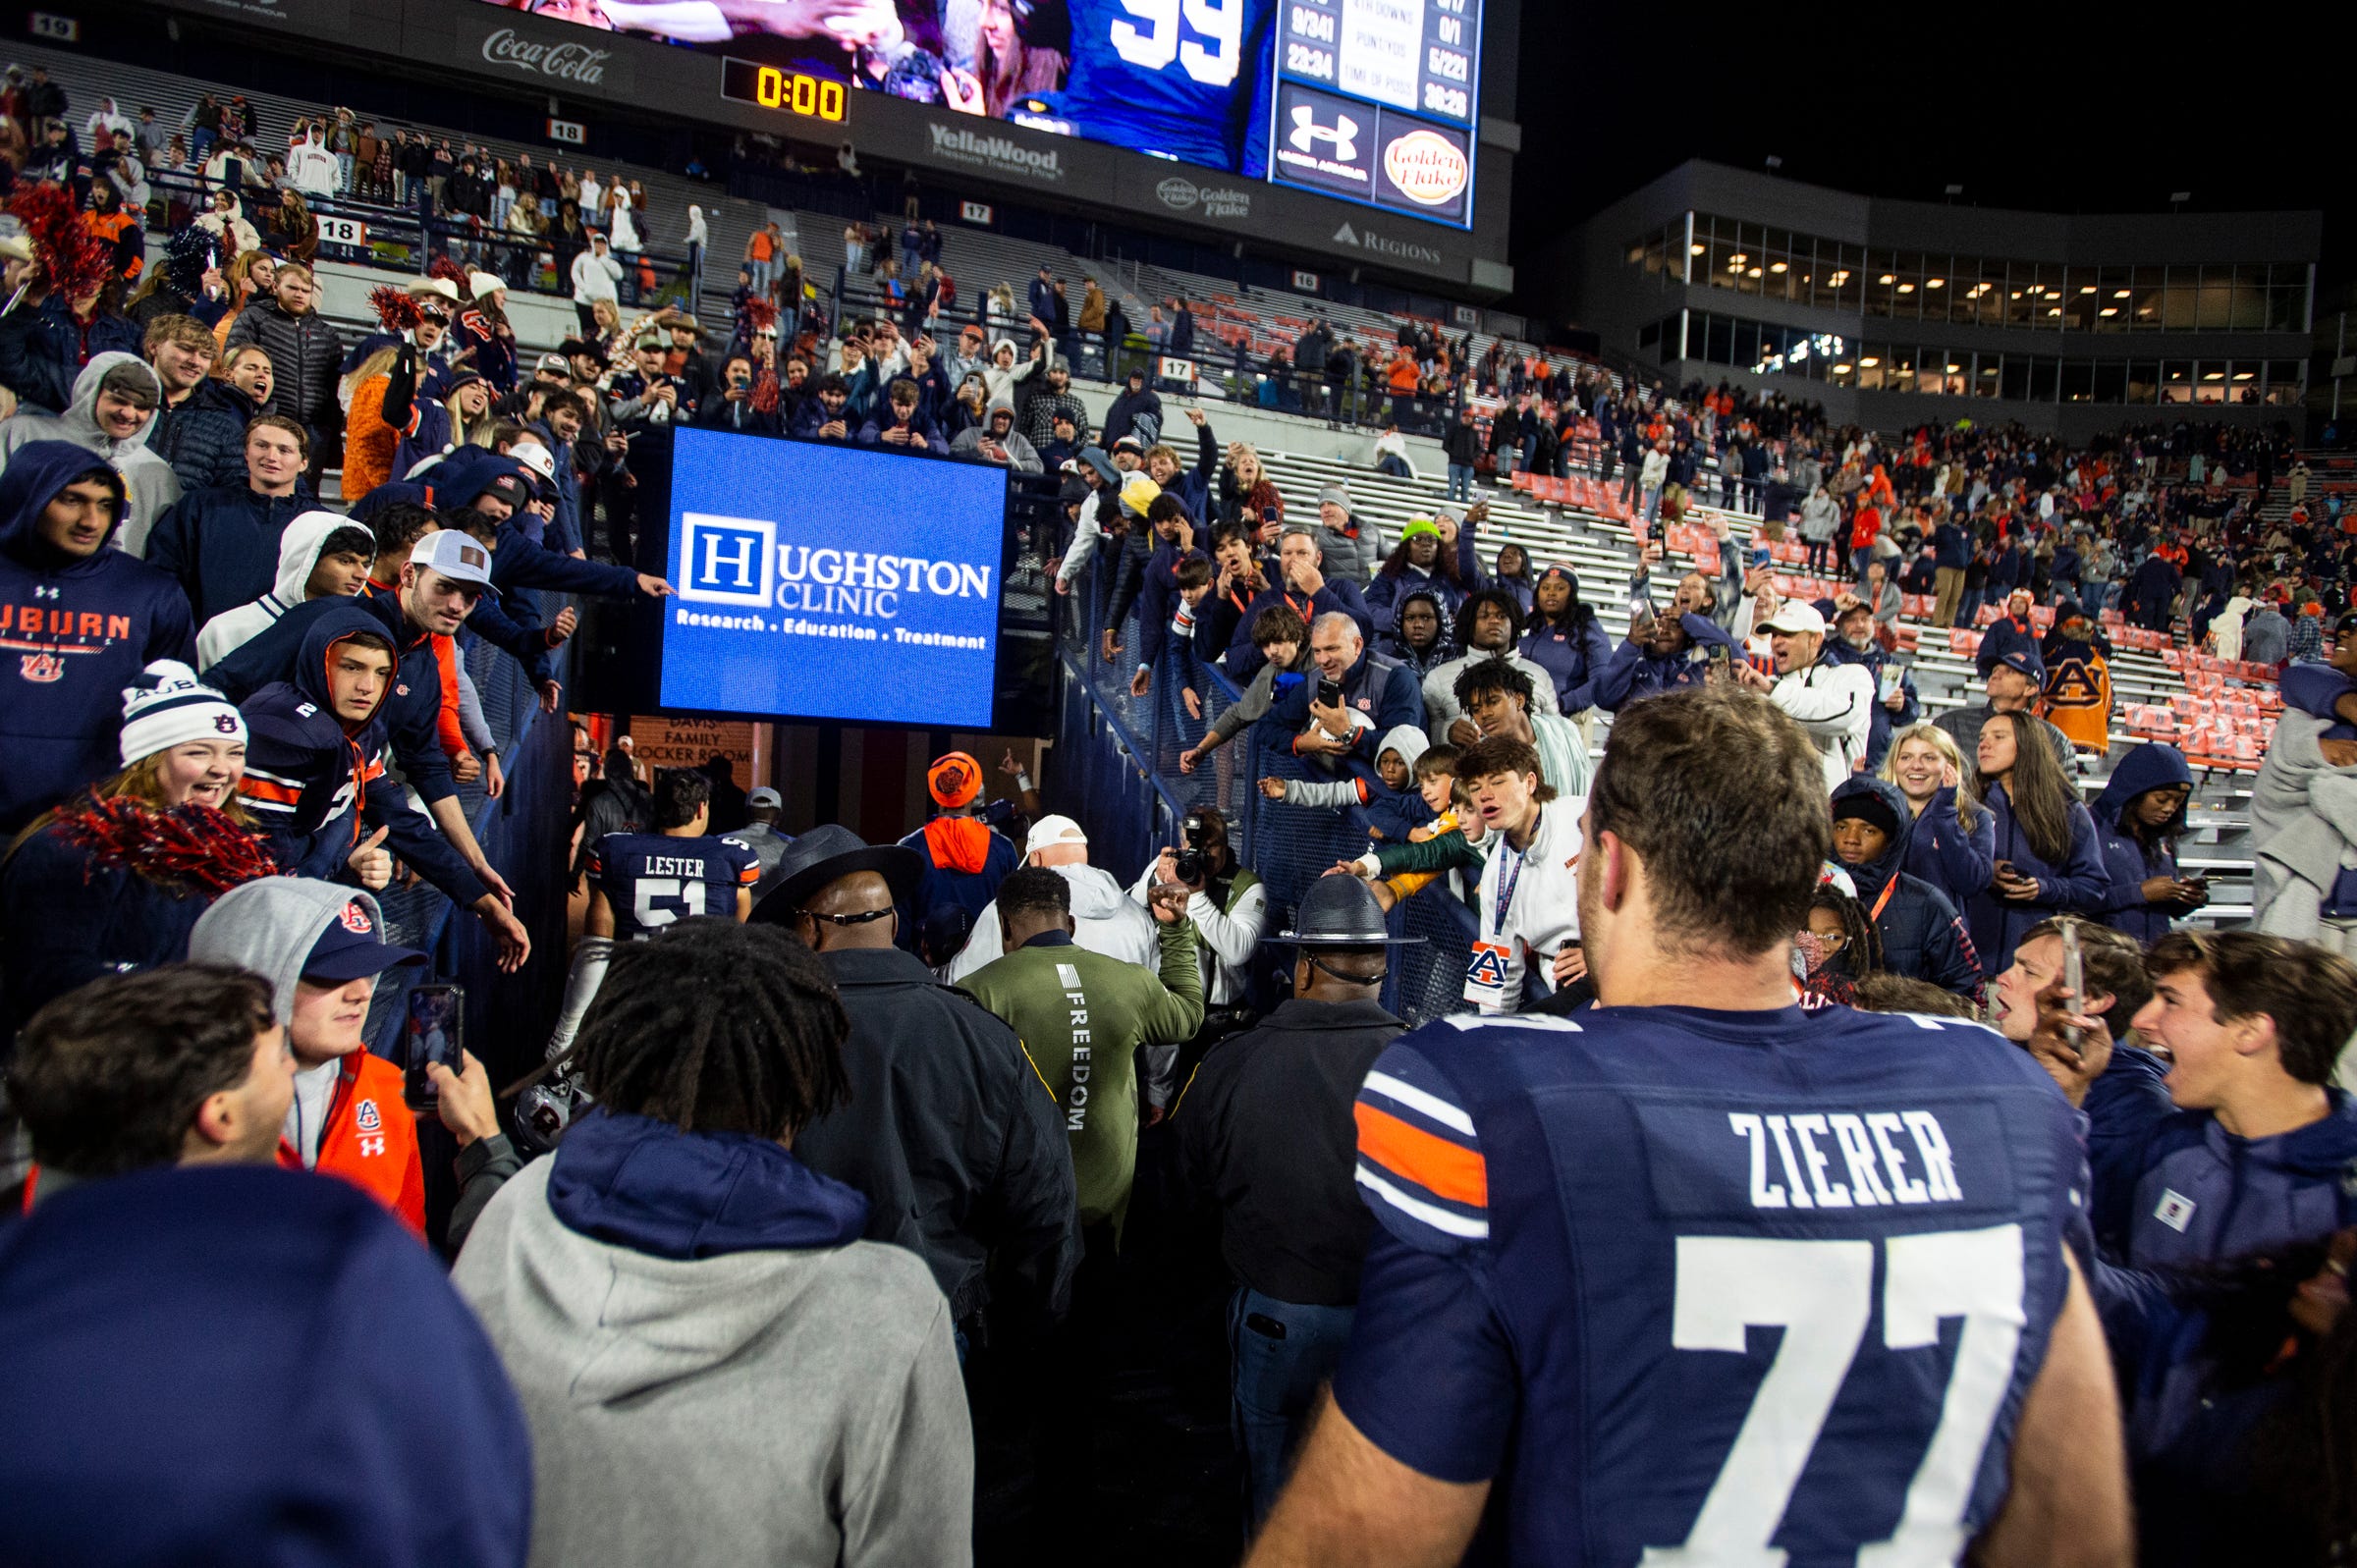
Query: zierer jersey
x,y
1708,1288
652,880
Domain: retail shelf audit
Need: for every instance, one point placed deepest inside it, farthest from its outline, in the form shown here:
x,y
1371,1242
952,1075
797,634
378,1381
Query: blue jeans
x,y
1969,605
1652,502
1460,482
1277,1378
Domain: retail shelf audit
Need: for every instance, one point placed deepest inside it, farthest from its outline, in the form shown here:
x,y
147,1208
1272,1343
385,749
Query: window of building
x,y
2285,378
2177,381
2144,381
2144,297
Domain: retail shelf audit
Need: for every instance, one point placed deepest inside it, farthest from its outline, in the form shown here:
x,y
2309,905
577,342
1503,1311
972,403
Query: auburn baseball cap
x,y
763,796
2024,661
455,554
1049,832
556,364
352,948
953,779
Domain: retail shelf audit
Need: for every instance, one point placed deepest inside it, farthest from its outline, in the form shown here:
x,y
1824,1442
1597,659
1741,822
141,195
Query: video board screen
x,y
821,581
1369,100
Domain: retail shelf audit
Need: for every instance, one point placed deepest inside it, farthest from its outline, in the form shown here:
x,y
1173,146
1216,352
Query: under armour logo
x,y
1307,133
48,592
372,1145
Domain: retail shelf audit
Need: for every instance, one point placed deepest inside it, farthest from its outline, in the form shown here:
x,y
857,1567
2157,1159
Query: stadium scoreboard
x,y
1415,55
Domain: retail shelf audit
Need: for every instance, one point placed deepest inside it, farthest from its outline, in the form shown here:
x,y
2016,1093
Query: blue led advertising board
x,y
821,581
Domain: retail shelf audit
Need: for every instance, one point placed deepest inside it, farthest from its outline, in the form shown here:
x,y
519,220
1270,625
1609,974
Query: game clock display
x,y
1371,100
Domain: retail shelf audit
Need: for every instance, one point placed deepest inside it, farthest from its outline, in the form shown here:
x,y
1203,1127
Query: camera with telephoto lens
x,y
1190,863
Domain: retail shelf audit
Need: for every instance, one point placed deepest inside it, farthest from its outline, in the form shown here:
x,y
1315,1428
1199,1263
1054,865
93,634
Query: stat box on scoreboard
x,y
824,581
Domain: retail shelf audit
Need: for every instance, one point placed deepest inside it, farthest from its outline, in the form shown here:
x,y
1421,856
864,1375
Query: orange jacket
x,y
369,443
371,1139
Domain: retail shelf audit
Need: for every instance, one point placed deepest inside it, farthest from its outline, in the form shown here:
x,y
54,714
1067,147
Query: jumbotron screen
x,y
1368,100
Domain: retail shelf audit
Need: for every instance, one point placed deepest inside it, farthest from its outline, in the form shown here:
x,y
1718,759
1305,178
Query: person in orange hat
x,y
965,858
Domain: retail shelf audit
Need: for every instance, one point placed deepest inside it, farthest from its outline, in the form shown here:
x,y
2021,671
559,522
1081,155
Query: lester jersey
x,y
652,880
1717,1287
1185,79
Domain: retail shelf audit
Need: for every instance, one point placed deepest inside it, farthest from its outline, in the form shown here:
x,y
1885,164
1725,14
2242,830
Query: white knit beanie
x,y
170,707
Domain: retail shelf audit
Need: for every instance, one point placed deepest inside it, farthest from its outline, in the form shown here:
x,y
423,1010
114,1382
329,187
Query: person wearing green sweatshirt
x,y
1082,1016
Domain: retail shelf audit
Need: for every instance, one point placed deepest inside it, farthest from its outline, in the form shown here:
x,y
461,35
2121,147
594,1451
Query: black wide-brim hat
x,y
1341,911
828,853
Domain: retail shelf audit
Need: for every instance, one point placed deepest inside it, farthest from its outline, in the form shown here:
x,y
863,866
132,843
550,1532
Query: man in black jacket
x,y
951,1131
1461,445
1266,1129
306,357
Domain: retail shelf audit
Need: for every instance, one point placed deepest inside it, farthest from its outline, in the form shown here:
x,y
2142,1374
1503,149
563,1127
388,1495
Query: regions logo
x,y
1429,169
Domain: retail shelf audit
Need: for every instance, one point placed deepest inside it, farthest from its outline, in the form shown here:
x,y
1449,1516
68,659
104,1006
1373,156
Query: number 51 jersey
x,y
651,879
1698,1288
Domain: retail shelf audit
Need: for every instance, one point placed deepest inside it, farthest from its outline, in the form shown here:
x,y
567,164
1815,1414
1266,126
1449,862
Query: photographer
x,y
733,409
1229,905
827,417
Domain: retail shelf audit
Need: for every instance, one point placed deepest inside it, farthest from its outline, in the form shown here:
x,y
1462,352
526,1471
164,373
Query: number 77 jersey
x,y
1691,1287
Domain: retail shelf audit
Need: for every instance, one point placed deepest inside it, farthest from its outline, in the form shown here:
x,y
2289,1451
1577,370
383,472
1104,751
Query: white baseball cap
x,y
1048,832
536,458
455,554
1794,617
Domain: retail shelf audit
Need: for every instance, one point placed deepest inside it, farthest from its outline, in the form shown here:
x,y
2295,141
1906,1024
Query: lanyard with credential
x,y
1505,886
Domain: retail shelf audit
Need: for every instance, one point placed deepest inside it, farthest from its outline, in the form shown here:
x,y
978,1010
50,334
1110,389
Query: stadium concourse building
x,y
1892,314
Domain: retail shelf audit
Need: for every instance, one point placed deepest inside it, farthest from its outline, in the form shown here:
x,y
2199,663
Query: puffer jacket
x,y
1923,936
305,356
2152,766
39,348
203,438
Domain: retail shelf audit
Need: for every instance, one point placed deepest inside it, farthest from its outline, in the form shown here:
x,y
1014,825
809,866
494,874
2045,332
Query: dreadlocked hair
x,y
763,1065
1862,949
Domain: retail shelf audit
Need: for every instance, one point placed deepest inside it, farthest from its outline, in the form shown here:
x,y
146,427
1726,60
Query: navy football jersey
x,y
1709,1288
651,879
1182,78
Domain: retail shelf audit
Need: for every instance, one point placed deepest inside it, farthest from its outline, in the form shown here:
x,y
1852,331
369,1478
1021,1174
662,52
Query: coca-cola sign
x,y
575,63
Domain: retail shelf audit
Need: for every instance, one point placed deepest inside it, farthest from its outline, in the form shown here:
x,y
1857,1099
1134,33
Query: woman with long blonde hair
x,y
253,275
1954,835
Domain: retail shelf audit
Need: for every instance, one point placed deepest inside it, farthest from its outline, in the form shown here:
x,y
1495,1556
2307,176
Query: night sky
x,y
2047,109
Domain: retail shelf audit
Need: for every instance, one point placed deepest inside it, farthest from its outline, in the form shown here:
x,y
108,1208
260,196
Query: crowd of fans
x,y
847,1160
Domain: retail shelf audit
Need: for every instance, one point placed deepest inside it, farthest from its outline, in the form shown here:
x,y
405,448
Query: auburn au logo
x,y
42,667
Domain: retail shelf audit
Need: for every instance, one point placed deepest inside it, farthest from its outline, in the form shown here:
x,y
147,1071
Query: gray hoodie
x,y
269,927
1021,456
774,1405
147,479
297,558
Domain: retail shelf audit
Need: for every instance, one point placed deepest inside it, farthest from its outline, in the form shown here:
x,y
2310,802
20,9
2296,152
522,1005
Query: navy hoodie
x,y
1923,936
412,714
349,1409
75,633
636,1182
2149,767
313,781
